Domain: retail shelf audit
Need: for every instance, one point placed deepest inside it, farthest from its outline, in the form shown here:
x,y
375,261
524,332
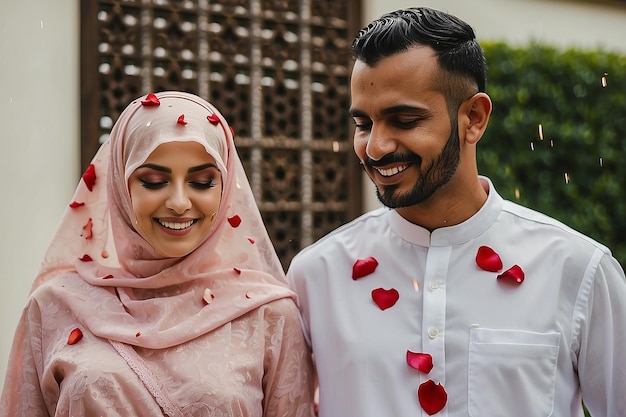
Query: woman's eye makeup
x,y
152,183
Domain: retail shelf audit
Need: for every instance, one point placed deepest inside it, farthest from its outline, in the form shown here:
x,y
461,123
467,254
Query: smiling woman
x,y
163,273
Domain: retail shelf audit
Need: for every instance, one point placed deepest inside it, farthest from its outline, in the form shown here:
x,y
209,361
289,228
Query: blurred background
x,y
279,71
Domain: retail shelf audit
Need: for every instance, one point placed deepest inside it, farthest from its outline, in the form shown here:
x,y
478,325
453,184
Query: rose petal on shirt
x,y
514,275
423,362
75,336
385,298
432,397
363,267
488,259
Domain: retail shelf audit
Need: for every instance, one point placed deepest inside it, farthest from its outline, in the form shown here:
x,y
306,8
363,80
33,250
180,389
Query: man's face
x,y
404,136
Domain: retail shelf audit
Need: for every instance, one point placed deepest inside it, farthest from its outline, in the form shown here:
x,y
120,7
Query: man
x,y
452,301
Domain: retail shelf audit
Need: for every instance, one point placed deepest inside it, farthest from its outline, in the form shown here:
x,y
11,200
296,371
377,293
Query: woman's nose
x,y
178,200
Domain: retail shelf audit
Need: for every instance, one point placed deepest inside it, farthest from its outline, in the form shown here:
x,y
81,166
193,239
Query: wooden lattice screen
x,y
277,69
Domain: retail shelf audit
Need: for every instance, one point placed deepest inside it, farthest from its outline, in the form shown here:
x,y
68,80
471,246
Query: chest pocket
x,y
511,373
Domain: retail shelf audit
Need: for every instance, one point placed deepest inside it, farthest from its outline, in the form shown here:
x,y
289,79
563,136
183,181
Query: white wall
x,y
39,135
592,24
39,108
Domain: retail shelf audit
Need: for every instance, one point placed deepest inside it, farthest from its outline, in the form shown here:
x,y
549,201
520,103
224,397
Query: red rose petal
x,y
363,267
423,362
151,100
385,298
237,271
208,296
432,397
251,240
137,334
107,276
213,118
76,204
514,275
232,131
86,258
87,229
488,259
235,220
75,336
89,176
181,120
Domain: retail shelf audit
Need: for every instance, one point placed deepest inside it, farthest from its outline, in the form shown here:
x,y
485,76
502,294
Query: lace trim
x,y
145,375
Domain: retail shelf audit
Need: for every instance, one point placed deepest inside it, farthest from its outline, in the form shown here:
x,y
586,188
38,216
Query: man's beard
x,y
436,176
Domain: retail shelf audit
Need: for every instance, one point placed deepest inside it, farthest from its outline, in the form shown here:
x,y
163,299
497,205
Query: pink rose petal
x,y
87,230
363,267
488,259
423,362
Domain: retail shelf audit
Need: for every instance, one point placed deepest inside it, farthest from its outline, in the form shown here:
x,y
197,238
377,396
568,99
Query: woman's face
x,y
175,195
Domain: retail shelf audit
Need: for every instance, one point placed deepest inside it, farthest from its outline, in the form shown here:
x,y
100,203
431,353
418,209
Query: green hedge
x,y
577,173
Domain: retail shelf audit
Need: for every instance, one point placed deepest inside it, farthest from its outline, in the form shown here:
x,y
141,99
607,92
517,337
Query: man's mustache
x,y
393,158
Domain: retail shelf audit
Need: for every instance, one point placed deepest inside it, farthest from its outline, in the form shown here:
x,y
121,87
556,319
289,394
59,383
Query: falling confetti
x,y
532,146
604,81
517,193
335,146
600,161
566,178
540,132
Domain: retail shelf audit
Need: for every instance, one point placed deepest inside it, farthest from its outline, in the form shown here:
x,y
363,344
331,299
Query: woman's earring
x,y
213,215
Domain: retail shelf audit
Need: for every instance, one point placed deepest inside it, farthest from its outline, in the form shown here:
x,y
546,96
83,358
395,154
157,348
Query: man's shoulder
x,y
361,227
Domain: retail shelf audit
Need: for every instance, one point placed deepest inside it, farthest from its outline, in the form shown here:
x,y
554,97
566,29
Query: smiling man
x,y
451,300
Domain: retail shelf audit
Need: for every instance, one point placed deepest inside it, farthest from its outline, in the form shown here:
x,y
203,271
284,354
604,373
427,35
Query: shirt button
x,y
433,286
433,333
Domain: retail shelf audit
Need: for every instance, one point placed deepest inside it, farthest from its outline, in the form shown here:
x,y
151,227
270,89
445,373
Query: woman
x,y
161,293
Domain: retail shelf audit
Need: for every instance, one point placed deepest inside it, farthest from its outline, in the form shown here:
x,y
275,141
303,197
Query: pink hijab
x,y
124,291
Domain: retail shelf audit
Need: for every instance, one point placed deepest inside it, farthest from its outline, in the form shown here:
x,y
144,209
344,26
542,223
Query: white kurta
x,y
499,350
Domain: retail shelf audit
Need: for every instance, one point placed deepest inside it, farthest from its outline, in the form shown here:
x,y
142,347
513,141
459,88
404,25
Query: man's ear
x,y
475,112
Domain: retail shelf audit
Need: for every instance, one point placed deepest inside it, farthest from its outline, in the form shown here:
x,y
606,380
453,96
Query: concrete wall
x,y
39,141
39,108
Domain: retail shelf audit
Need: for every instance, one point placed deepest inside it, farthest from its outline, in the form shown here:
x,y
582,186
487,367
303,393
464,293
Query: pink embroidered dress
x,y
151,344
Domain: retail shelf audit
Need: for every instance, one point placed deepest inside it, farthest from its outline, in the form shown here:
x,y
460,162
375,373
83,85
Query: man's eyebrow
x,y
400,108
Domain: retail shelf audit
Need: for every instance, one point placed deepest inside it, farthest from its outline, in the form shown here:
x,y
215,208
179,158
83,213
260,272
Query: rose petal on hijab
x,y
237,271
232,131
514,275
363,267
75,336
86,258
137,334
181,120
234,220
213,118
251,240
107,276
89,176
385,298
432,397
87,229
423,362
208,296
488,259
76,204
151,100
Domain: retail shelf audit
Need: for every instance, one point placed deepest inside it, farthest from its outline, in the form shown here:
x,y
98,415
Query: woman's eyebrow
x,y
156,168
201,167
